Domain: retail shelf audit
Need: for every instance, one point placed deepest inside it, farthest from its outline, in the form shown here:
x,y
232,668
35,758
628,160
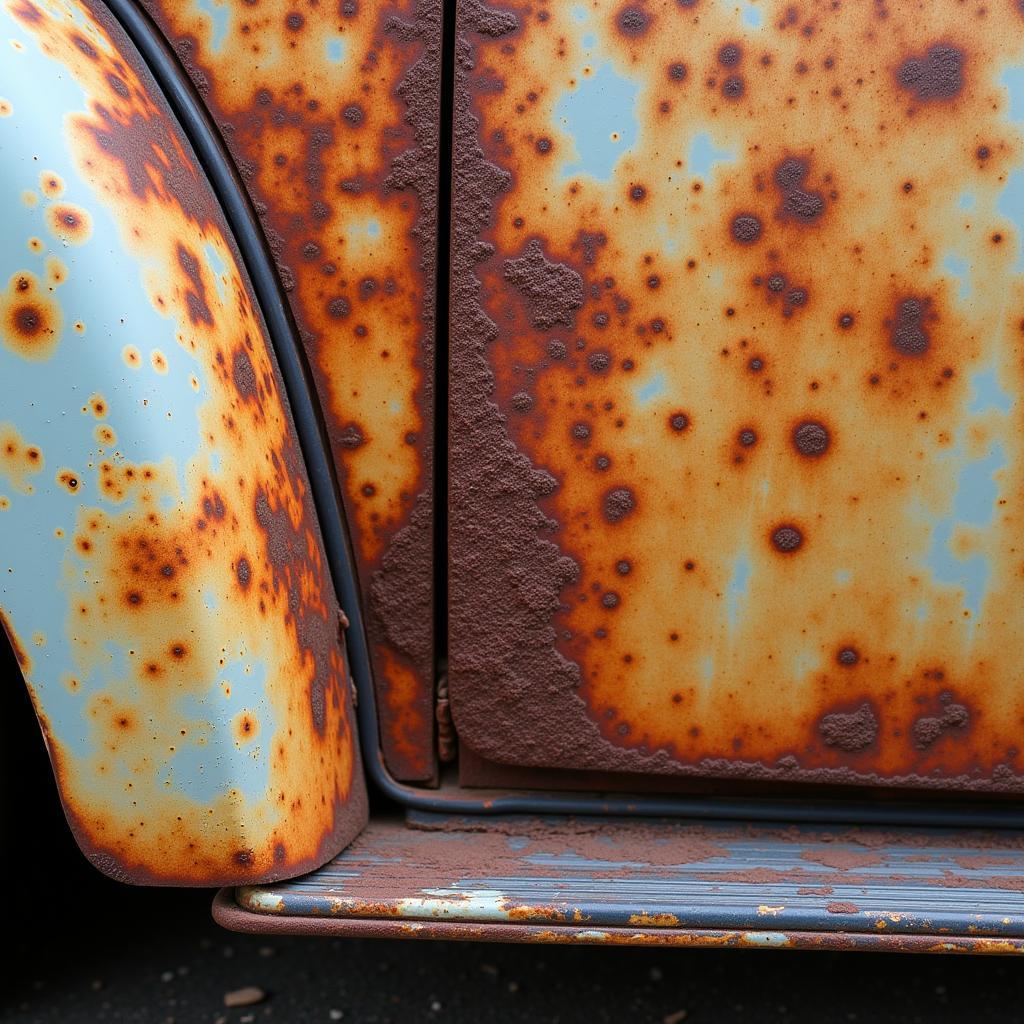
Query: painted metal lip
x,y
605,879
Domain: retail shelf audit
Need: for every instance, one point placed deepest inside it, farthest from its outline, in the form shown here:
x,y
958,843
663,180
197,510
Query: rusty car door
x,y
737,321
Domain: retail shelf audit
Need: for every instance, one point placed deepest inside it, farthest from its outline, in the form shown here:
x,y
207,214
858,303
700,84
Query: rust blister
x,y
331,112
738,300
164,582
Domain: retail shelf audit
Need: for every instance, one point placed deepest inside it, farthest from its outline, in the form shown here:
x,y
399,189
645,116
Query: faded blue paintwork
x,y
778,886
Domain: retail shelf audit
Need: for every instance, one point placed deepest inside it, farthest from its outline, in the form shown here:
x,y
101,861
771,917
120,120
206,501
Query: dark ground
x,y
85,949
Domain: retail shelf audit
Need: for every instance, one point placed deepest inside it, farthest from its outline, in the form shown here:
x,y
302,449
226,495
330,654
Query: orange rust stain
x,y
51,184
816,360
69,480
71,224
407,726
5,108
18,460
145,565
30,321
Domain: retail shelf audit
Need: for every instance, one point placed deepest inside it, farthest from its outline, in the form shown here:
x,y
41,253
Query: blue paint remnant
x,y
220,14
217,267
372,228
736,589
958,267
600,116
844,577
654,388
974,505
704,154
1011,205
579,14
335,47
1013,79
589,41
752,16
967,201
988,393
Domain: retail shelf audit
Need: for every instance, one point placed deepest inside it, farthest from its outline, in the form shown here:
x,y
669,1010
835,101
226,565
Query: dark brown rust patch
x,y
618,503
553,291
850,731
907,332
633,21
746,228
811,439
798,203
787,538
937,75
929,728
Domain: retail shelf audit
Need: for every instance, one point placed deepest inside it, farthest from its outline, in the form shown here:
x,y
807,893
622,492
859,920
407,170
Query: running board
x,y
603,880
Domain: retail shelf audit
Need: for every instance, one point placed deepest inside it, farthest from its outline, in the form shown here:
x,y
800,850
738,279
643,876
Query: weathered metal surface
x,y
331,113
606,880
736,451
163,579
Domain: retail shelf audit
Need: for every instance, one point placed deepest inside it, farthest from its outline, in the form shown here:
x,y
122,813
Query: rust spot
x,y
746,228
907,333
71,224
850,731
787,538
30,321
811,439
633,21
937,75
619,502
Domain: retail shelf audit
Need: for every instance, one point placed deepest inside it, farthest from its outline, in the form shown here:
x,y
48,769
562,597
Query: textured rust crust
x,y
816,370
331,113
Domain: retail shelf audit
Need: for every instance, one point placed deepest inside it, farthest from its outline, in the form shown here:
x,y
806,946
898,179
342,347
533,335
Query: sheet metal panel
x,y
331,111
738,312
162,577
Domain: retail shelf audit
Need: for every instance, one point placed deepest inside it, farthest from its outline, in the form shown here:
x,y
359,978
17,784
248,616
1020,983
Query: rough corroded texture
x,y
736,454
615,881
163,580
331,112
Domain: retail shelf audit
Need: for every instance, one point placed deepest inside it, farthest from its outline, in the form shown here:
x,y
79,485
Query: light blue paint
x,y
1011,205
155,417
967,201
589,41
704,154
707,668
335,47
844,577
736,589
753,17
220,14
603,104
988,393
973,505
579,14
958,267
217,268
205,769
654,388
1013,79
